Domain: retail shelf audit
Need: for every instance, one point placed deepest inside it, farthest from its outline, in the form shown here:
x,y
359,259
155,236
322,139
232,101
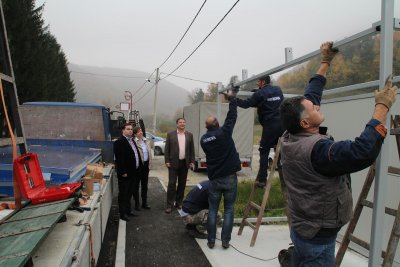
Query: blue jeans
x,y
227,187
313,252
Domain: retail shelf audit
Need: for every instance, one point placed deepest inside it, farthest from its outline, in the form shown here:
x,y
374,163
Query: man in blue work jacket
x,y
316,168
222,164
267,99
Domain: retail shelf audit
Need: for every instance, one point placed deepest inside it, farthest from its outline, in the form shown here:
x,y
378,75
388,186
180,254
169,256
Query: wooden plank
x,y
21,234
12,262
15,246
41,210
29,225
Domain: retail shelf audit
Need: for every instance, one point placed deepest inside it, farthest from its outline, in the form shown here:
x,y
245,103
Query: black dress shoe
x,y
131,214
124,218
146,207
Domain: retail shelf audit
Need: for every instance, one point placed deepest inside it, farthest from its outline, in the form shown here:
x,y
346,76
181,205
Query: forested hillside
x,y
357,62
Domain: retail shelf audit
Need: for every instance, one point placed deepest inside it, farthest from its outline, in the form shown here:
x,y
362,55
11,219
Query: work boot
x,y
260,184
137,206
124,217
225,244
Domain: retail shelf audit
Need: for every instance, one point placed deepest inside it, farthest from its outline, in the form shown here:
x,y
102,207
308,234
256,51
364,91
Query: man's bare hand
x,y
168,165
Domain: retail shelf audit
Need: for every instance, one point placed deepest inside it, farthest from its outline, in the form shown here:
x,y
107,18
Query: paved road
x,y
160,170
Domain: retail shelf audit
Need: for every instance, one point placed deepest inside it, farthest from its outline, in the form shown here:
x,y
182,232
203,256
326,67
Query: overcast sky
x,y
139,35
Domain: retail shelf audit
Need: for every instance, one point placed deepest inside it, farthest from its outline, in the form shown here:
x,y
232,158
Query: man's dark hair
x,y
266,78
290,112
125,125
179,119
136,129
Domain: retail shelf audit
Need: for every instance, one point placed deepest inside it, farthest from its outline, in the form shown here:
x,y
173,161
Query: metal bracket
x,y
396,24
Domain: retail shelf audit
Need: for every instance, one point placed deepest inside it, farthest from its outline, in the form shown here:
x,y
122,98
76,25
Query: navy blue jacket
x,y
332,158
221,155
197,199
267,100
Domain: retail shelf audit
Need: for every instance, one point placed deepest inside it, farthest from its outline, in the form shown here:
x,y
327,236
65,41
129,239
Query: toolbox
x,y
30,180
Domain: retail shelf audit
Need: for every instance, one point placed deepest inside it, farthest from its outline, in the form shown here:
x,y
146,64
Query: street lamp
x,y
128,97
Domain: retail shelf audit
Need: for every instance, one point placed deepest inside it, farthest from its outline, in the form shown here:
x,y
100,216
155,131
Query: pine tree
x,y
40,65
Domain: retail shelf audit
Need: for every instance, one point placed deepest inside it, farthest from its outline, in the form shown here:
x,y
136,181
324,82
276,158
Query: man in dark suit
x,y
179,157
128,165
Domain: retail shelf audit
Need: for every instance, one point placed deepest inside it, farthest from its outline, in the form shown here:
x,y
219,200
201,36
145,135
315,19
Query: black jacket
x,y
267,101
125,161
221,155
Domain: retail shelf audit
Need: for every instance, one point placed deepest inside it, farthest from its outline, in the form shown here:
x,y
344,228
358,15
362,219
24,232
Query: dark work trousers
x,y
135,188
143,181
175,194
124,197
271,131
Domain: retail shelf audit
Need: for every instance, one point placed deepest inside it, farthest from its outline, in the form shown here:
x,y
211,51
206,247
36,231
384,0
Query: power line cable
x,y
143,84
203,40
107,75
186,78
145,94
183,34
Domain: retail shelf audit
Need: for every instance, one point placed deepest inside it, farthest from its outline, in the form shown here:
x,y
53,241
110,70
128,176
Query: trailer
x,y
196,115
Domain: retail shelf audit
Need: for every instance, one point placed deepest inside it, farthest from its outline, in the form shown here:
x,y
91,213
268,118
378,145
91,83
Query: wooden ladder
x,y
260,208
388,255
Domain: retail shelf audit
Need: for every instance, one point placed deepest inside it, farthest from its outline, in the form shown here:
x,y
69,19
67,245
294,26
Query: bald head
x,y
212,122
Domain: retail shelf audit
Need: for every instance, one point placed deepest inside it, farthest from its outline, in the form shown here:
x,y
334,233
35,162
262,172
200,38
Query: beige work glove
x,y
328,52
387,95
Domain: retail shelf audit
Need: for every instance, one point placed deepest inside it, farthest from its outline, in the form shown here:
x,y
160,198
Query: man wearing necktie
x,y
128,165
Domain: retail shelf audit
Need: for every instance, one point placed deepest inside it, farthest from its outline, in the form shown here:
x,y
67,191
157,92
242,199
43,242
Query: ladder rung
x,y
363,244
394,170
249,224
255,206
395,131
359,241
369,204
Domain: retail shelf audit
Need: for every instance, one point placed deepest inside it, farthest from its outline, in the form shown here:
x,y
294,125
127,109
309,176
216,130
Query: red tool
x,y
30,180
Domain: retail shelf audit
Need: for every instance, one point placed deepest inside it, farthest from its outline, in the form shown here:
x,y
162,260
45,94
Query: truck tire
x,y
157,151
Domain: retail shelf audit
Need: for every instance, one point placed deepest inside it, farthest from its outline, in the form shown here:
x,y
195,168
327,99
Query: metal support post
x,y
386,68
288,54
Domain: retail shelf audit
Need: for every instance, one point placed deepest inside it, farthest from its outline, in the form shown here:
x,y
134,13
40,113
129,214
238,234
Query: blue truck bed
x,y
64,164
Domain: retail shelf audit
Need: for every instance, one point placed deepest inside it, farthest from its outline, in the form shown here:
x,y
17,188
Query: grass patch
x,y
275,203
257,131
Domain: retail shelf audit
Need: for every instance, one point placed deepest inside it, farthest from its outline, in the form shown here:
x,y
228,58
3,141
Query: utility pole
x,y
155,102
